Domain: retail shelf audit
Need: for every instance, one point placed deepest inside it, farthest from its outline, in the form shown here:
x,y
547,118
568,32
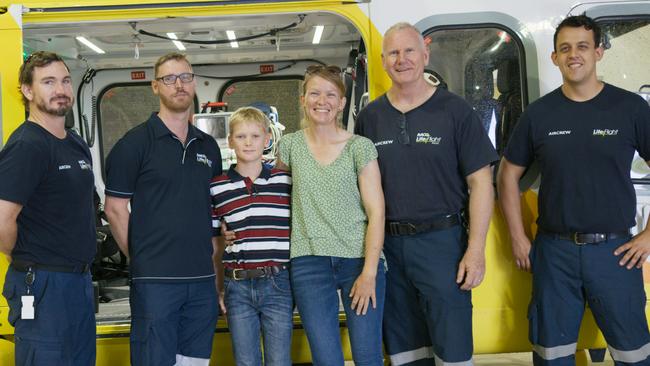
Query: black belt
x,y
22,266
408,228
245,274
587,238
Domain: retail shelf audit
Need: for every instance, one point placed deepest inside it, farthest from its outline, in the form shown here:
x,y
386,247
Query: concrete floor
x,y
521,359
514,359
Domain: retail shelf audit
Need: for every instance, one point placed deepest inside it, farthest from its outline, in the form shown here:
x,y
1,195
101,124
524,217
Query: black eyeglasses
x,y
332,69
403,137
185,77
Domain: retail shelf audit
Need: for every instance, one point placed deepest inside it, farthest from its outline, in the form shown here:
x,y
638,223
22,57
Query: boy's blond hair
x,y
249,114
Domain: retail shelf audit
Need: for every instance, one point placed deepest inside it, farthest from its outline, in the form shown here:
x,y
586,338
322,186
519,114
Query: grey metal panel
x,y
612,9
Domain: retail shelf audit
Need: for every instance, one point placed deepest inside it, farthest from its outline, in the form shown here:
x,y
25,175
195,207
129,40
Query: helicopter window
x,y
121,107
281,93
626,64
482,63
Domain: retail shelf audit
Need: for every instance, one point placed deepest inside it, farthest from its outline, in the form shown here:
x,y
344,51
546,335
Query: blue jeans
x,y
260,303
63,329
315,281
171,320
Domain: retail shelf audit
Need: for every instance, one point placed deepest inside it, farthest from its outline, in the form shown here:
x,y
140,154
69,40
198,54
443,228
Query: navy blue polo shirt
x,y
585,152
426,178
53,180
168,184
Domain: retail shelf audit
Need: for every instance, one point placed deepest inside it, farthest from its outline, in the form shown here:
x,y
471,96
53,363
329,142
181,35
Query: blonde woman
x,y
337,227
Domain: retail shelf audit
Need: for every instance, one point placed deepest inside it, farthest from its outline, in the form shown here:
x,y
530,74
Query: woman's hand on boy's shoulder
x,y
228,235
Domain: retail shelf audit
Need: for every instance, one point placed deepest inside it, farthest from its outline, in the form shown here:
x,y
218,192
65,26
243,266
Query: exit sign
x,y
267,69
138,75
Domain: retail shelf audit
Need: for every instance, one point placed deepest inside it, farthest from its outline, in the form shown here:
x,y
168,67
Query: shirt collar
x,y
235,176
161,130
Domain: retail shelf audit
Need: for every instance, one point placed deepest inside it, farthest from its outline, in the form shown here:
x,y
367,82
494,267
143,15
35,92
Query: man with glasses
x,y
163,169
434,157
47,223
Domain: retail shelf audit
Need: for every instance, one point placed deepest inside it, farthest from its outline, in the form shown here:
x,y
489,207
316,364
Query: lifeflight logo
x,y
425,138
201,158
604,132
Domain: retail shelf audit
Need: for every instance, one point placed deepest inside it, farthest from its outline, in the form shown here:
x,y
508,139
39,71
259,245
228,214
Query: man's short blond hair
x,y
250,115
176,56
400,27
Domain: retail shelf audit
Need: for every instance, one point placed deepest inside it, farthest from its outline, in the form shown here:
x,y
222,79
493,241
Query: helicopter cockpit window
x,y
626,64
483,65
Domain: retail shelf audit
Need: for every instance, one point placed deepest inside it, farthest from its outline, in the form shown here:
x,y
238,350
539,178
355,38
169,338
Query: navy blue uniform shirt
x,y
53,180
585,152
170,227
426,178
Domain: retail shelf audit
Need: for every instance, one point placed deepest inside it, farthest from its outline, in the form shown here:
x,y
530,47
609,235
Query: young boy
x,y
253,201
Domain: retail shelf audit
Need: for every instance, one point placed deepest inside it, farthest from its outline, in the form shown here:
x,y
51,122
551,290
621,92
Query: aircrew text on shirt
x,y
596,132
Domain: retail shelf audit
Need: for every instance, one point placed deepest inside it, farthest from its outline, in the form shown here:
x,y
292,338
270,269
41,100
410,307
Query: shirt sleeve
x,y
642,126
123,168
359,123
217,167
519,150
475,149
363,152
216,218
22,167
284,149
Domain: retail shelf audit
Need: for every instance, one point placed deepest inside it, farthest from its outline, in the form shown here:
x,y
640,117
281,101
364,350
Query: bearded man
x,y
163,169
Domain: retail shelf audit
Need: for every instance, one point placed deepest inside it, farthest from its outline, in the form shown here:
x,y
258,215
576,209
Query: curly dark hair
x,y
577,21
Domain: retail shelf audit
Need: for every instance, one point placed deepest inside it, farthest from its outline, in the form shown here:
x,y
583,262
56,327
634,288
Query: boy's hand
x,y
228,236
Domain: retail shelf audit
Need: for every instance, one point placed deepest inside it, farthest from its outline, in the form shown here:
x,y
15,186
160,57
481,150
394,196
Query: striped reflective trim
x,y
440,362
551,353
403,358
191,361
632,356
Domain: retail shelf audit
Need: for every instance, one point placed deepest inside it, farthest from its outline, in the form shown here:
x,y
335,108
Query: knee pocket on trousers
x,y
31,352
140,354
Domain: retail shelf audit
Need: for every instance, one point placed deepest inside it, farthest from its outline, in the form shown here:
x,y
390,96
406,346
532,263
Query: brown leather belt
x,y
238,274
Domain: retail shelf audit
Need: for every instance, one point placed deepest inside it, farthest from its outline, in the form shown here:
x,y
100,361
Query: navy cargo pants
x,y
62,332
565,277
427,317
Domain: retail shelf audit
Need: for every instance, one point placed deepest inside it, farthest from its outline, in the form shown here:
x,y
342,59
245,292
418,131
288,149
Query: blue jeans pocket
x,y
281,282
